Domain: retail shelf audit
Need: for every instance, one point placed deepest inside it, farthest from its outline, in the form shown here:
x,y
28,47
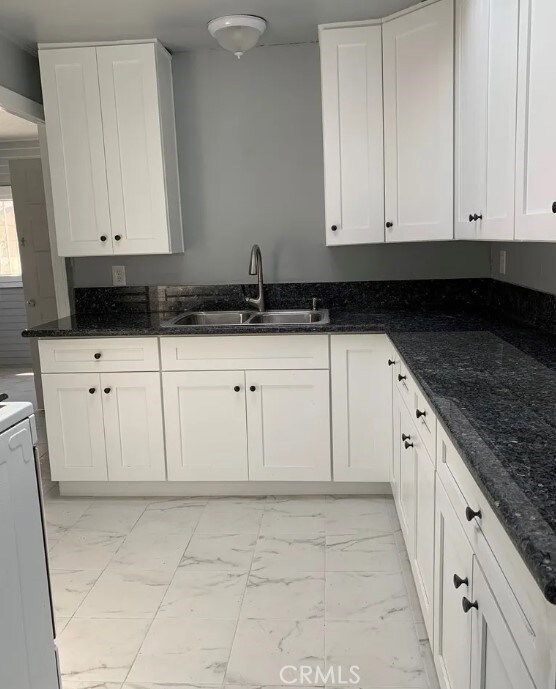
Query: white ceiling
x,y
179,24
13,127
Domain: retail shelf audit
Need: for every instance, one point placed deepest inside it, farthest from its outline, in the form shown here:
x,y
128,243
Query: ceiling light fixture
x,y
238,32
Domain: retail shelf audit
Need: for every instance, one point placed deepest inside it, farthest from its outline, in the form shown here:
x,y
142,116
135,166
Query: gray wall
x,y
14,349
250,153
19,70
28,148
530,264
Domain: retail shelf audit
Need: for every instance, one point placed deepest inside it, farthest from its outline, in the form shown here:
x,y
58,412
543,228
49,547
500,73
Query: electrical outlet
x,y
502,269
118,276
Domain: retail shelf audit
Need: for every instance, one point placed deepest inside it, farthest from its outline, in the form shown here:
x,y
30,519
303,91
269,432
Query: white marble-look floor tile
x,y
79,549
386,654
263,647
294,515
232,516
102,650
373,596
125,594
93,684
284,595
167,685
62,514
175,515
361,552
110,516
61,624
209,595
216,552
184,650
296,552
69,588
348,515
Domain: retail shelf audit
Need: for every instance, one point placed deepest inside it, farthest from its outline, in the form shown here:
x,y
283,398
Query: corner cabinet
x,y
486,83
109,112
351,69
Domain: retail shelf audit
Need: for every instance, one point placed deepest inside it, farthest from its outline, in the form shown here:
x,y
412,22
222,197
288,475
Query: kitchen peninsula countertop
x,y
492,384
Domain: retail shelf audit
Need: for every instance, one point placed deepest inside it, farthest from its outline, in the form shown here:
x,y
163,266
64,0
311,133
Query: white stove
x,y
14,412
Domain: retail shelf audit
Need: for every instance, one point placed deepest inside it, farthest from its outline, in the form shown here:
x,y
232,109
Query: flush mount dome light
x,y
237,33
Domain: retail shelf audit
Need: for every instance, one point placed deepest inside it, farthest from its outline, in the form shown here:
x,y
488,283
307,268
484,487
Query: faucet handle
x,y
315,303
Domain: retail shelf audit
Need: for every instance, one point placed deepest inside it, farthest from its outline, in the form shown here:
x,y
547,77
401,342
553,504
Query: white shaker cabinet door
x,y
288,422
74,423
132,411
76,151
535,203
418,124
351,69
453,570
206,425
361,383
495,658
486,83
134,149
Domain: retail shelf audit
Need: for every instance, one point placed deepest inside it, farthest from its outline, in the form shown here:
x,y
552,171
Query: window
x,y
10,263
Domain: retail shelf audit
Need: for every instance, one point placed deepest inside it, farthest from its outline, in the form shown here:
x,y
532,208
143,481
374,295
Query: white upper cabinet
x,y
351,69
486,82
535,202
112,147
418,124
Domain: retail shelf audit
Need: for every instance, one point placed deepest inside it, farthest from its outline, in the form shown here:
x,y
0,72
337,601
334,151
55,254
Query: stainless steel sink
x,y
293,317
210,318
247,318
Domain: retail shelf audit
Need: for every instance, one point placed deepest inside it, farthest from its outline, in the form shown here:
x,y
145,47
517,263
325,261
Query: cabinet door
x,y
418,124
397,409
206,425
76,151
486,83
452,627
495,658
423,559
132,410
535,210
351,68
73,408
361,384
133,140
288,425
407,479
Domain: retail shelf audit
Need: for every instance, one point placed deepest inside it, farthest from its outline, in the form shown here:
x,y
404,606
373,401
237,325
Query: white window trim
x,y
9,281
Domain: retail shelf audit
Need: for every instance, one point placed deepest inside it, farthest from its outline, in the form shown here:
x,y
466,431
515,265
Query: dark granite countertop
x,y
492,383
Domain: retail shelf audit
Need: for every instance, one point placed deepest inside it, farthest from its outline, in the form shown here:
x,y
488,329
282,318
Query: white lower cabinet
x,y
133,428
496,662
73,409
206,425
288,425
453,570
361,393
104,426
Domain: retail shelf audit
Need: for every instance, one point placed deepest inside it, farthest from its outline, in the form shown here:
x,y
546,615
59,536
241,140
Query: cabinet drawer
x,y
244,352
404,381
99,354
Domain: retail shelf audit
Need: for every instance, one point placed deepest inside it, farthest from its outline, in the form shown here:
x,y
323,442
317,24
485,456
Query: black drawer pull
x,y
252,388
471,514
92,390
458,581
391,362
389,224
98,355
334,228
408,445
466,604
107,390
237,388
400,377
419,413
406,437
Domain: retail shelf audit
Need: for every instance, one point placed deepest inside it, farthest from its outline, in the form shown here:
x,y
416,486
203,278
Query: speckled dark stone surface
x,y
492,381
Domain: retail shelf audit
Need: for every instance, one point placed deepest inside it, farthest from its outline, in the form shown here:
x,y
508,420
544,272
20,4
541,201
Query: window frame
x,y
9,281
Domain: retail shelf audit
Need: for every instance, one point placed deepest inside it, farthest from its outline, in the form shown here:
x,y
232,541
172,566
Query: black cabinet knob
x,y
466,604
252,388
102,237
408,445
471,217
471,514
391,362
334,228
478,217
458,581
237,388
554,207
406,437
419,413
107,390
400,377
117,237
389,224
92,390
98,355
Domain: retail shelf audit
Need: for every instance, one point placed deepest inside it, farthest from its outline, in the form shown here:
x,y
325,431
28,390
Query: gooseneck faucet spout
x,y
256,268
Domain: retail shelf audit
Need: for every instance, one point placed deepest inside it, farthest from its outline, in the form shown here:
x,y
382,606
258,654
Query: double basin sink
x,y
247,318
